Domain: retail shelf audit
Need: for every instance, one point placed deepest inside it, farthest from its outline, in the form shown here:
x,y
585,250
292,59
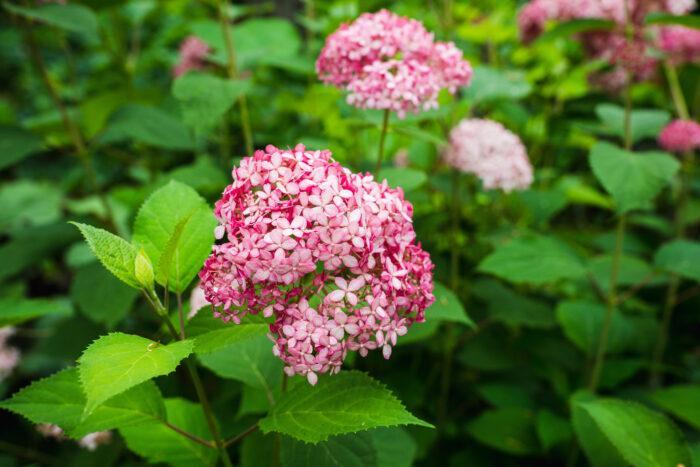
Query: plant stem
x,y
196,381
243,434
188,435
181,315
676,91
382,140
454,251
232,69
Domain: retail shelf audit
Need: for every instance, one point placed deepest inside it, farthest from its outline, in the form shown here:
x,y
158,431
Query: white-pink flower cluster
x,y
9,355
332,255
634,58
390,62
680,136
491,152
193,54
90,441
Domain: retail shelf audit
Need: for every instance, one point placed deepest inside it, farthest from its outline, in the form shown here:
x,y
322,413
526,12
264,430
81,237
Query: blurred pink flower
x,y
193,52
197,301
491,152
90,441
680,136
9,356
391,62
301,229
680,43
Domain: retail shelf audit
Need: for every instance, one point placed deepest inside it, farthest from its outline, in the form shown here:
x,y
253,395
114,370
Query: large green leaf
x,y
447,307
533,259
598,448
345,403
644,123
506,306
15,311
351,450
633,179
157,443
212,333
147,125
70,17
689,21
511,430
60,399
683,401
681,257
27,203
643,437
582,323
631,270
16,144
116,362
493,84
403,177
91,284
552,429
115,253
204,99
157,222
251,361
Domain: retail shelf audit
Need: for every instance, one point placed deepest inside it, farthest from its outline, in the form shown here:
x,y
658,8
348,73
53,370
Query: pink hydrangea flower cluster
x,y
90,441
634,58
680,136
193,52
332,255
491,152
390,62
681,44
9,355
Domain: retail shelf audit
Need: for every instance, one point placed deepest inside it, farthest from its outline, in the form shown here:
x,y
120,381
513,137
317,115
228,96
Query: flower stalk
x,y
382,141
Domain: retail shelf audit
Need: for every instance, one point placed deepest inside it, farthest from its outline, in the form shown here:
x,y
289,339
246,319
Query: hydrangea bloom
x,y
9,356
330,254
488,150
391,62
680,43
193,52
680,136
612,45
90,441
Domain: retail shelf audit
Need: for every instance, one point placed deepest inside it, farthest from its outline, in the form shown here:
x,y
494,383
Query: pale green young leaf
x,y
643,437
490,84
681,257
15,311
533,259
156,223
447,307
116,362
160,444
115,253
59,399
682,401
345,403
204,98
633,179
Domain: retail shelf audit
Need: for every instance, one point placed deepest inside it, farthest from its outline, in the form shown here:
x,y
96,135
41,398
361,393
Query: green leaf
x,y
395,447
408,179
60,399
490,84
633,179
15,311
17,144
599,450
447,307
508,307
552,429
570,28
510,430
680,257
689,21
116,362
157,223
533,259
115,253
27,203
147,125
91,284
578,192
644,123
682,401
157,443
204,99
582,323
345,403
211,334
643,437
71,17
632,270
250,361
352,450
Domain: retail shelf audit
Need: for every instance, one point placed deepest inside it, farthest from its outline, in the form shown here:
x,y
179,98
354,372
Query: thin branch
x,y
629,293
688,294
241,435
189,436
